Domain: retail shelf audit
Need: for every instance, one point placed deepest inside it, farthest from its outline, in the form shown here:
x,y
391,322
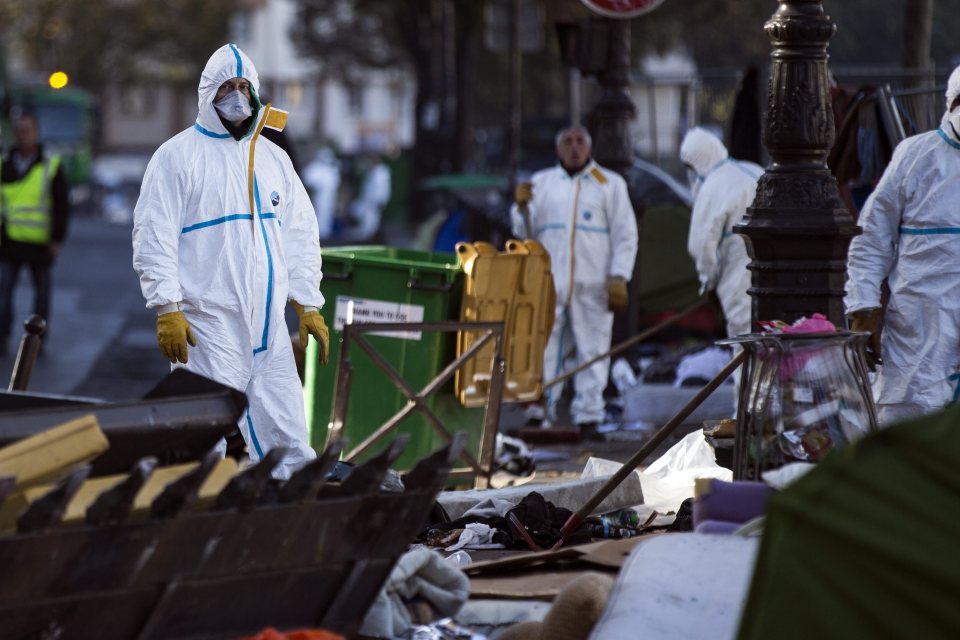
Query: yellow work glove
x,y
871,321
523,193
173,336
311,322
617,296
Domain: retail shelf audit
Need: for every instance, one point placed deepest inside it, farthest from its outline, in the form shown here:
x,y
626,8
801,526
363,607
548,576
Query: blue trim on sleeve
x,y
266,244
929,231
210,223
253,437
593,228
552,225
207,132
943,135
239,61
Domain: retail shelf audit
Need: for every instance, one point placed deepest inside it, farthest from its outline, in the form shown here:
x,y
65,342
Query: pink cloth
x,y
816,324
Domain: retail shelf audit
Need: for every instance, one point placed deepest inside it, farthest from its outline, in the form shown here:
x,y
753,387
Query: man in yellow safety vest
x,y
34,198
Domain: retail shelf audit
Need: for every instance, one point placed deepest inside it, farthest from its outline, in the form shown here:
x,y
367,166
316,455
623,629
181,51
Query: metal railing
x,y
907,112
481,466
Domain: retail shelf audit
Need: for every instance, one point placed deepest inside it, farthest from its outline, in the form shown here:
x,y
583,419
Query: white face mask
x,y
234,107
955,120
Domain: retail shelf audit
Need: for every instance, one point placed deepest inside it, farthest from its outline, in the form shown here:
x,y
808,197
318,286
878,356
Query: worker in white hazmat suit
x,y
322,177
366,210
723,188
911,238
224,235
582,215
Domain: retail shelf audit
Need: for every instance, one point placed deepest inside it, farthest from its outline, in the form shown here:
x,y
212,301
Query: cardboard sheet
x,y
605,553
542,575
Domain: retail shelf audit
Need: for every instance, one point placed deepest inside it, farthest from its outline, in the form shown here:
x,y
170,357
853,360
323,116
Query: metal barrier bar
x,y
491,417
480,467
405,389
626,344
412,404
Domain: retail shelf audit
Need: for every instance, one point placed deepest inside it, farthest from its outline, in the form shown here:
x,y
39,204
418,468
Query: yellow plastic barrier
x,y
515,287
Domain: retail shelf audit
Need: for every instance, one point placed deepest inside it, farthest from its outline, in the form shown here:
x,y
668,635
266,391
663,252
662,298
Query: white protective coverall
x,y
368,208
911,237
225,228
587,225
723,189
322,176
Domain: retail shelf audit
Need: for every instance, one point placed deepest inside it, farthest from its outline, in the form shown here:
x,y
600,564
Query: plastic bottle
x,y
459,559
629,518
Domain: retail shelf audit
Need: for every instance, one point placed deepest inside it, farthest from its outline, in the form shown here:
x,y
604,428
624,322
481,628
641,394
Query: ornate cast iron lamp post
x,y
611,115
798,230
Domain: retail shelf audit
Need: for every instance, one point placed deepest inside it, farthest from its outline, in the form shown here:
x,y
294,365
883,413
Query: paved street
x,y
102,341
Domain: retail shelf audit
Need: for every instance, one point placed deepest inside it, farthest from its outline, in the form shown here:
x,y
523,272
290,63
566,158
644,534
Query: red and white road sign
x,y
622,8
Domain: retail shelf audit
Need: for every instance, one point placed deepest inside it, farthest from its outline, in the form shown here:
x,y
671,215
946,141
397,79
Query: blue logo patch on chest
x,y
274,198
587,215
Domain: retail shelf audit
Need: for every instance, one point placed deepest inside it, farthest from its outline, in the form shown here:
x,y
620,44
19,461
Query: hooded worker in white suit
x,y
224,236
723,188
911,238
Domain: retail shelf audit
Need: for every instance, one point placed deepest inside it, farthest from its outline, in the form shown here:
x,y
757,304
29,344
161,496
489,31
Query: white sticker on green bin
x,y
366,311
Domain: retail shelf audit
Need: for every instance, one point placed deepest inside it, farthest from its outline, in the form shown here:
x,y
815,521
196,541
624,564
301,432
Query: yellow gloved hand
x,y
871,321
311,322
617,296
173,336
523,193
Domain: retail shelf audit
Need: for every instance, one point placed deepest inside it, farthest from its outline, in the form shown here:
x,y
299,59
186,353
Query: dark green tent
x,y
867,545
668,278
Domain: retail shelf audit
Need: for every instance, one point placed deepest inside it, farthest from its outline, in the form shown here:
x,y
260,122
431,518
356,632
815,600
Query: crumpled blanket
x,y
421,577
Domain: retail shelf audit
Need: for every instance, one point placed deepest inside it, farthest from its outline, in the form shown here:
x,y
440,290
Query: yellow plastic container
x,y
515,287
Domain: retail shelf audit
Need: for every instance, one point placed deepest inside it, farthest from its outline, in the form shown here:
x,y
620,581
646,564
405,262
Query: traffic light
x,y
58,79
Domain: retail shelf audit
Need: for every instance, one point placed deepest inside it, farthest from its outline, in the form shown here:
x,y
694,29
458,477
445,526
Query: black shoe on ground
x,y
588,431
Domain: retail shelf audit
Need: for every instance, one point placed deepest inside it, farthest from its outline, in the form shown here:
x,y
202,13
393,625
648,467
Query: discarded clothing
x,y
423,587
473,536
542,521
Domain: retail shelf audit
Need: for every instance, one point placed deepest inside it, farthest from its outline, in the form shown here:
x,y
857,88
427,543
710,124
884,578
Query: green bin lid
x,y
439,261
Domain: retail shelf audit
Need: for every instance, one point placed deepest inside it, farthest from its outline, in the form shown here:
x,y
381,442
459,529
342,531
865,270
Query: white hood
x,y
953,90
702,150
953,87
226,63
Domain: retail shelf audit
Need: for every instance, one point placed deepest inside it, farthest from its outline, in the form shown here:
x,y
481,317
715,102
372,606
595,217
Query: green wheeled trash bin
x,y
387,284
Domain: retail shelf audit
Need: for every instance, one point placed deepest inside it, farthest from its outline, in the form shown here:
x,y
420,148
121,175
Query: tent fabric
x,y
667,277
865,545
